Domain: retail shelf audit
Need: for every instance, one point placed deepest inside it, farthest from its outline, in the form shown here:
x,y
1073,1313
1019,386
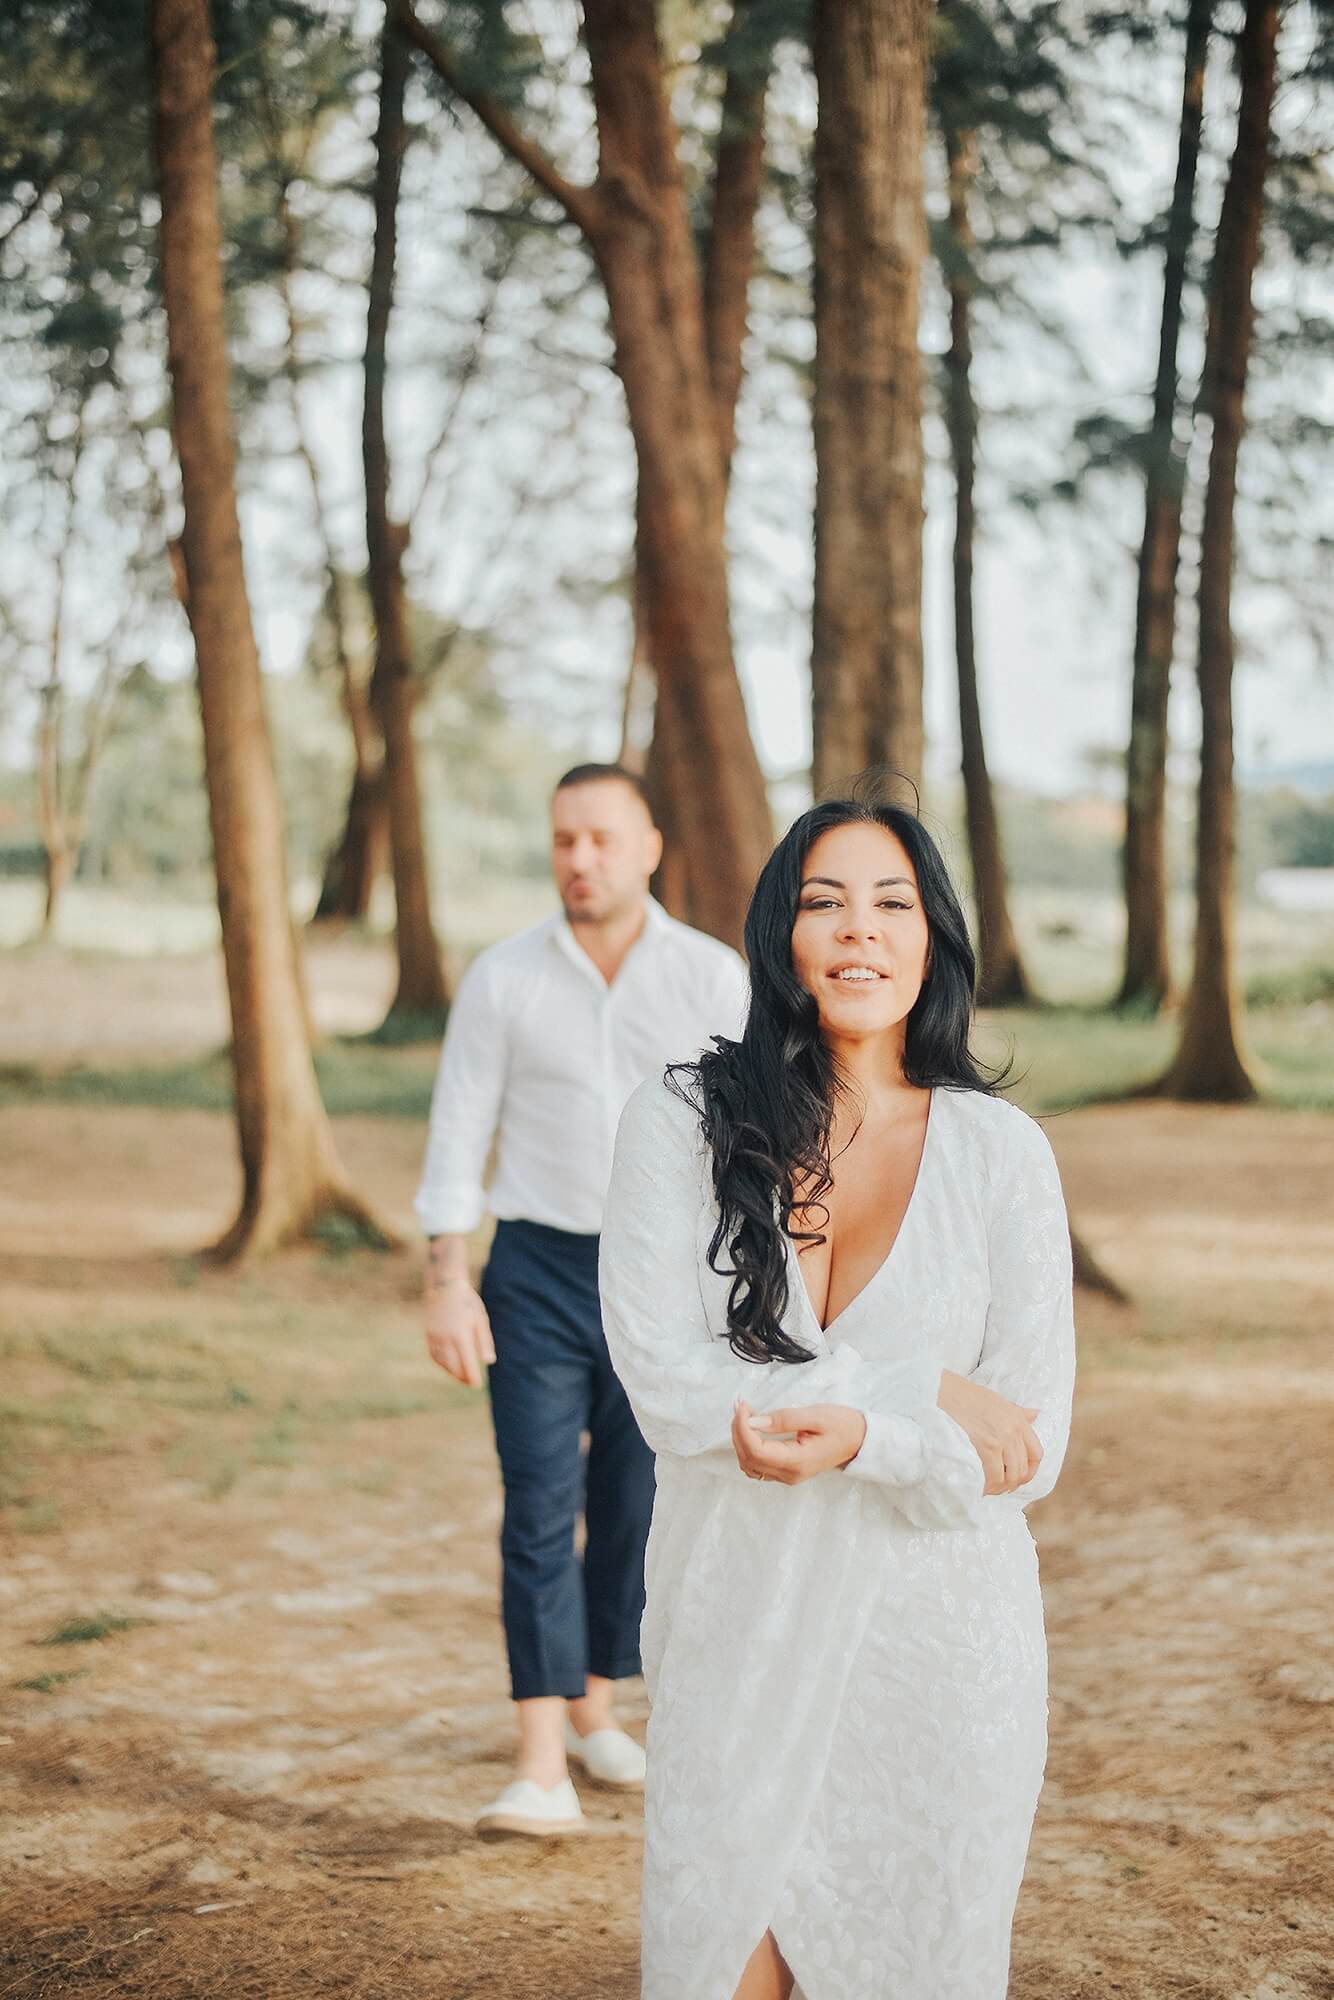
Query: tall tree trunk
x,y
650,268
1146,980
655,760
1209,1063
51,813
291,1174
1001,978
636,221
356,861
358,857
665,780
421,990
729,256
870,230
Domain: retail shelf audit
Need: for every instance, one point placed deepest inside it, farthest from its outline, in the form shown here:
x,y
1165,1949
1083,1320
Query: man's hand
x,y
458,1332
1001,1432
792,1445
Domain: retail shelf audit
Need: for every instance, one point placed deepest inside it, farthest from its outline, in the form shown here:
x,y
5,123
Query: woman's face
x,y
860,940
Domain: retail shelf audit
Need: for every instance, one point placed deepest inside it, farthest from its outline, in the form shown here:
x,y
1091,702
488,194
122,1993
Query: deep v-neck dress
x,y
847,1677
829,1332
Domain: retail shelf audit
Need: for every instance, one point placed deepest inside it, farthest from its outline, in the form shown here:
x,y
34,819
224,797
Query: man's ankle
x,y
586,1719
546,1770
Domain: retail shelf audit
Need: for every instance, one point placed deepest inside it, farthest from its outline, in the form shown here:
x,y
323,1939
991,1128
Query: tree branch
x,y
463,381
581,203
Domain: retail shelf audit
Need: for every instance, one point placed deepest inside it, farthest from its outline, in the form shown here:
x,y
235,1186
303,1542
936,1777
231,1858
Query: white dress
x,y
847,1677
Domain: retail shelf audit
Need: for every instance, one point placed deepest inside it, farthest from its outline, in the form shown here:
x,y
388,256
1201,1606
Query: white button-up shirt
x,y
541,1055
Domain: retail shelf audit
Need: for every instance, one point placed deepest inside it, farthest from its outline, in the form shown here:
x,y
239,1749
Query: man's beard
x,y
606,910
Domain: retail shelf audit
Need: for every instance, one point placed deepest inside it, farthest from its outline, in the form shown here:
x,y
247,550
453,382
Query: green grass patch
x,y
48,1683
150,1352
405,1028
89,1627
1069,1056
66,1415
277,1443
361,1078
1310,984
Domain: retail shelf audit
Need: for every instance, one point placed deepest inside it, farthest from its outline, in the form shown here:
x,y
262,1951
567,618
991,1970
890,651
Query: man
x,y
548,1035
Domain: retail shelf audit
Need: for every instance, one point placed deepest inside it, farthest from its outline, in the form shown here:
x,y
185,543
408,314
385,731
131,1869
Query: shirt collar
x,y
656,925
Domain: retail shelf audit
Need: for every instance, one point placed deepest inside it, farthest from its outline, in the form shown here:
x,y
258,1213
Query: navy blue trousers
x,y
551,1382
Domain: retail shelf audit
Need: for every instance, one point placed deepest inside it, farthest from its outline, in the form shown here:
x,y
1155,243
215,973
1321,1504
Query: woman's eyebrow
x,y
885,882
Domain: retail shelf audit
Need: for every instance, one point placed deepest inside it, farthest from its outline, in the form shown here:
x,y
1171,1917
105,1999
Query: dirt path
x,y
261,1785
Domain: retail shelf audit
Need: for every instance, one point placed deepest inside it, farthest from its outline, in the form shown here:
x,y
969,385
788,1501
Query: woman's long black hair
x,y
766,1103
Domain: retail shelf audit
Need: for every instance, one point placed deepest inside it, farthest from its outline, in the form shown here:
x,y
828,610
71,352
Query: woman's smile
x,y
858,975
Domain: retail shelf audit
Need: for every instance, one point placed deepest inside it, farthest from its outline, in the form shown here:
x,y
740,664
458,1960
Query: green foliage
x,y
1301,833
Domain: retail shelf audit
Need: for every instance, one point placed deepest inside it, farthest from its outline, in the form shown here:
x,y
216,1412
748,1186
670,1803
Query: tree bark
x,y
1146,980
636,221
355,862
1001,977
1209,1065
1089,1273
645,252
870,231
665,781
729,256
421,991
290,1172
52,819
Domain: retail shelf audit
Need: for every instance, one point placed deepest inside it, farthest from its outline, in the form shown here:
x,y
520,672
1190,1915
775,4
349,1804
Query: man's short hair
x,y
593,774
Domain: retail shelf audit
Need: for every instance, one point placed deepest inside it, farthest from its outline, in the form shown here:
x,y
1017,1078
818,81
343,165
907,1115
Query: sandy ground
x,y
261,1784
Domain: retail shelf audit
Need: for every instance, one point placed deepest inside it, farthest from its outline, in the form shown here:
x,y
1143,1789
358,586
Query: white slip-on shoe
x,y
527,1808
609,1755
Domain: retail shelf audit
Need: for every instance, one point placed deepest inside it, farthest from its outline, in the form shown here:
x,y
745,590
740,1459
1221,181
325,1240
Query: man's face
x,y
604,848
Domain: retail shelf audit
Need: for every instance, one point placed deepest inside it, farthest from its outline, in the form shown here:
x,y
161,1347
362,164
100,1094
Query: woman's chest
x,y
929,1295
854,1228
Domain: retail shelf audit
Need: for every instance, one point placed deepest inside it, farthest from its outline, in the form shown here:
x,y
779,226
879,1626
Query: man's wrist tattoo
x,y
438,1278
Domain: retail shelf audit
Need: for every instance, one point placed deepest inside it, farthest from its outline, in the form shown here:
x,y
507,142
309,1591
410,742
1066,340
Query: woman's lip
x,y
856,982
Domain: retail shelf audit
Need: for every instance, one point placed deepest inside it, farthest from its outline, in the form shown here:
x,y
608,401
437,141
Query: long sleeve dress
x,y
847,1677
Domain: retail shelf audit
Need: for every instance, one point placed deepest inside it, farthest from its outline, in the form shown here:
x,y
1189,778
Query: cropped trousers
x,y
566,1614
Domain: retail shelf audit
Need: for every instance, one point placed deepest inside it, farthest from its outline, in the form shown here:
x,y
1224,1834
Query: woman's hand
x,y
1001,1432
791,1445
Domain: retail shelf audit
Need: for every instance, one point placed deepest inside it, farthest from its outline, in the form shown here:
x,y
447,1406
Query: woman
x,y
835,1276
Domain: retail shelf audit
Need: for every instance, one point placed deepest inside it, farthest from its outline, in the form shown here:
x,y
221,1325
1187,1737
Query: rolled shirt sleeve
x,y
465,1107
